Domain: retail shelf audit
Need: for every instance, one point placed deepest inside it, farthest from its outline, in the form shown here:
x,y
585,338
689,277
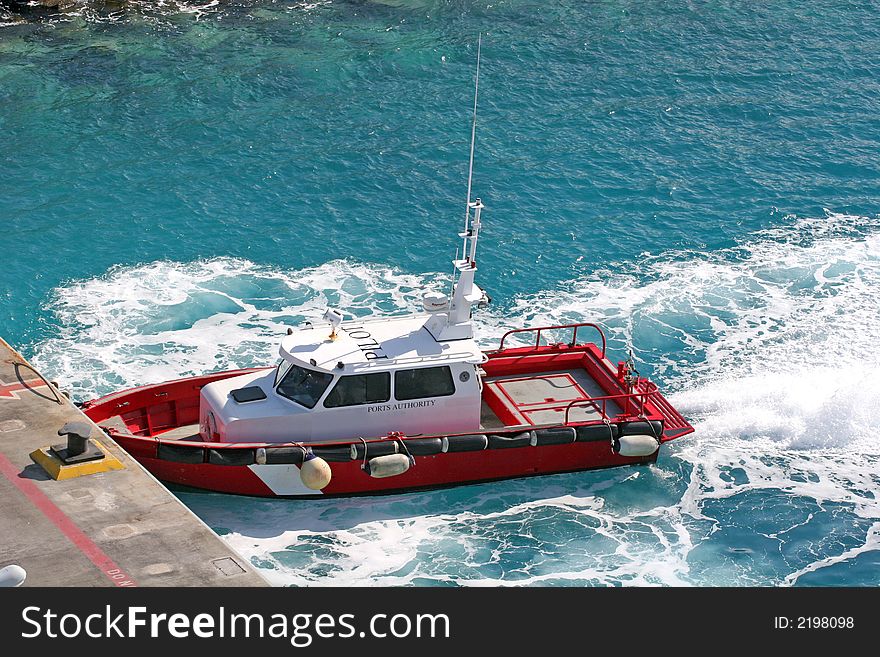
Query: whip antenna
x,y
467,209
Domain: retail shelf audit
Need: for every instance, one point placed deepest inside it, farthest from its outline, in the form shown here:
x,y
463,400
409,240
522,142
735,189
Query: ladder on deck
x,y
674,425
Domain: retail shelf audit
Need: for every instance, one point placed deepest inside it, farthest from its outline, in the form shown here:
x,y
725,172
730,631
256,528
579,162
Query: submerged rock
x,y
33,8
8,17
59,4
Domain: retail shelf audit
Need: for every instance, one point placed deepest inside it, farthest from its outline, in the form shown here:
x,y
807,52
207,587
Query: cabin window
x,y
424,382
304,386
360,389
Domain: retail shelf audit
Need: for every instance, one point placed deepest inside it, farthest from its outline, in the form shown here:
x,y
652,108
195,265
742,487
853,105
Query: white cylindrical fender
x,y
12,576
315,472
387,466
638,445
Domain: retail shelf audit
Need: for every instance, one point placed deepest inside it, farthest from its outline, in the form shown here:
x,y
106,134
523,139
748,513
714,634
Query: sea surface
x,y
178,184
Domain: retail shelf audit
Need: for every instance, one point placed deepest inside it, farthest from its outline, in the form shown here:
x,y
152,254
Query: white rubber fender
x,y
12,576
637,445
315,472
390,465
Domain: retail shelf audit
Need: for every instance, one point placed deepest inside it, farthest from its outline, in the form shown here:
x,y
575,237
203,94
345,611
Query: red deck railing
x,y
540,329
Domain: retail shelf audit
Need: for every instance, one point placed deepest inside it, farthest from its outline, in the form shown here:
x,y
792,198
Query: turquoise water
x,y
703,178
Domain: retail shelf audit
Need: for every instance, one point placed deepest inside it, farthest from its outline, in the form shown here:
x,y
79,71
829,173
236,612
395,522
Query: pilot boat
x,y
390,404
361,406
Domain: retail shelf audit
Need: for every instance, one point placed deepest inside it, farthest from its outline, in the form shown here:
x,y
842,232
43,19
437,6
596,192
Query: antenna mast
x,y
455,323
467,209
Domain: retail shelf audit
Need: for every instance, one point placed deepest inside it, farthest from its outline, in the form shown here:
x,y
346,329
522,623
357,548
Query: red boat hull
x,y
437,471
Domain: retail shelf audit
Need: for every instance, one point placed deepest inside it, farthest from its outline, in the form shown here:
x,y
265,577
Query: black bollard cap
x,y
78,448
81,429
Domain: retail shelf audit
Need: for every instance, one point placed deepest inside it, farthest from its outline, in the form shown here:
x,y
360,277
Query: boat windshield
x,y
281,370
303,386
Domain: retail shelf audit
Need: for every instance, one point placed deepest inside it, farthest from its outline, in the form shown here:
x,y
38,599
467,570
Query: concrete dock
x,y
115,528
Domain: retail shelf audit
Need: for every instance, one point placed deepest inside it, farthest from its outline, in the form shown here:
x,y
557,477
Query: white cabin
x,y
374,377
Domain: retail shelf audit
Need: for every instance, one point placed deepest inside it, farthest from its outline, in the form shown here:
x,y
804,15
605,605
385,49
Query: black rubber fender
x,y
473,442
591,433
180,453
641,427
335,454
284,455
376,448
423,446
231,456
555,436
523,439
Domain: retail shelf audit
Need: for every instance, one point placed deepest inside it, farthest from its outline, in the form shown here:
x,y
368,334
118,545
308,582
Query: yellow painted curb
x,y
56,468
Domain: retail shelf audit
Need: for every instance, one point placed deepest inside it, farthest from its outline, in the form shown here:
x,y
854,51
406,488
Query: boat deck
x,y
488,420
186,432
542,398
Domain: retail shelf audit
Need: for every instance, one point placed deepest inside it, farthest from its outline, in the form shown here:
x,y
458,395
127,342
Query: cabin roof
x,y
375,344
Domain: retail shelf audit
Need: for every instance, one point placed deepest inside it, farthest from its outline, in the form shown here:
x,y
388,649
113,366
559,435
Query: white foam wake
x,y
163,320
771,349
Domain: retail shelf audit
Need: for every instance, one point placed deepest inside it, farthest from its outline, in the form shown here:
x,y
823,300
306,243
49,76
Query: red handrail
x,y
539,329
582,402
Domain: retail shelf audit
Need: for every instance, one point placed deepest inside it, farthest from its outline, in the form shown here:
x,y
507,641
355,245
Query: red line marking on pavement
x,y
74,534
8,390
